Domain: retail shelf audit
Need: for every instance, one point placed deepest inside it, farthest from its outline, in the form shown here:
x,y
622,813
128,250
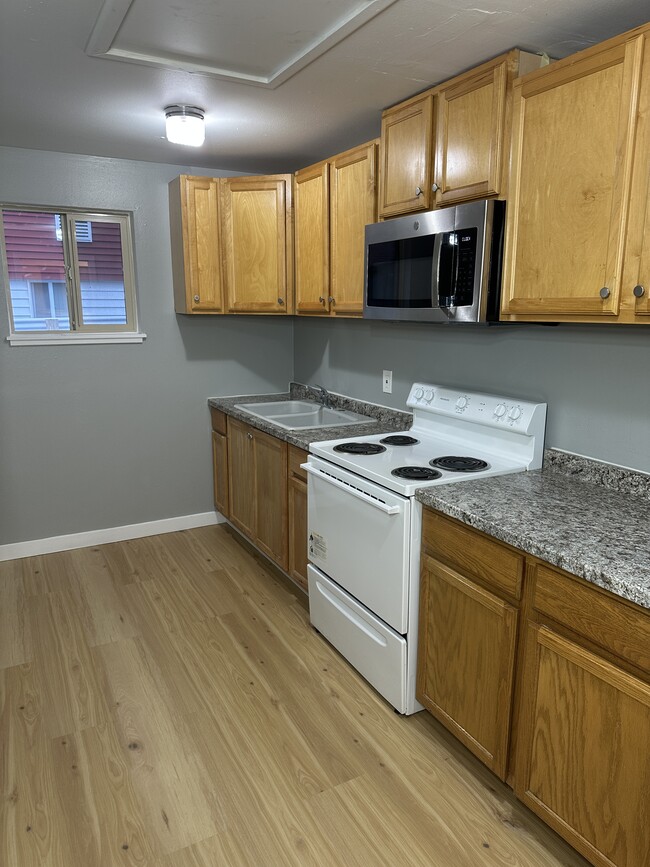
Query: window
x,y
83,231
69,276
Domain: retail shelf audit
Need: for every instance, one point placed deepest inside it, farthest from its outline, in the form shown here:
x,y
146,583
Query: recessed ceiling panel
x,y
259,43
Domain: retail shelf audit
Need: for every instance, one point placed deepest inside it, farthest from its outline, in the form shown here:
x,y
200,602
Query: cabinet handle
x,y
332,300
197,297
418,191
604,292
321,299
434,188
280,300
639,291
250,436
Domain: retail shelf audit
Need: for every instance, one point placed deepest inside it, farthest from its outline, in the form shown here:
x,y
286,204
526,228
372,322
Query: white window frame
x,y
50,290
79,332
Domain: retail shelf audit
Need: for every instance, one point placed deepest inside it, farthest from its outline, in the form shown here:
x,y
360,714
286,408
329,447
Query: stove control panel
x,y
486,409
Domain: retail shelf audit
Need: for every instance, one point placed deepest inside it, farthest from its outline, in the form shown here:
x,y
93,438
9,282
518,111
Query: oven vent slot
x,y
354,487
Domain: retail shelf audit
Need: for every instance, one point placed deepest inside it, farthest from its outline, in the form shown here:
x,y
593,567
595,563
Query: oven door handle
x,y
355,492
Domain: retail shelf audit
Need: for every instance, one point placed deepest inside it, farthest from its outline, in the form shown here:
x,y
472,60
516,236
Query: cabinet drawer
x,y
610,622
218,420
296,457
472,553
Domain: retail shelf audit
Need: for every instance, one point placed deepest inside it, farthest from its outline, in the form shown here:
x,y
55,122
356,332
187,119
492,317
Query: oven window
x,y
399,273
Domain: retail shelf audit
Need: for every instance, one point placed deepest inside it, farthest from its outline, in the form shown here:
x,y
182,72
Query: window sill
x,y
59,338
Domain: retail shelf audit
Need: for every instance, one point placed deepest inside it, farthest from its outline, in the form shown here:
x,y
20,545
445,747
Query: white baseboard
x,y
32,548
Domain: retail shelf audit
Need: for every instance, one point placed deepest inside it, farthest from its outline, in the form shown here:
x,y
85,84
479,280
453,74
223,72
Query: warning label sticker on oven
x,y
317,546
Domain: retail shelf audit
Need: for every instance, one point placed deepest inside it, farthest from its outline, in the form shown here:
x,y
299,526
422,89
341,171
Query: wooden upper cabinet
x,y
405,157
196,244
353,205
312,233
471,131
573,156
335,200
636,272
257,244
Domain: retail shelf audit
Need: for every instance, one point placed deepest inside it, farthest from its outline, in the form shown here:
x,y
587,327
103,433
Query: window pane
x,y
101,273
35,261
41,299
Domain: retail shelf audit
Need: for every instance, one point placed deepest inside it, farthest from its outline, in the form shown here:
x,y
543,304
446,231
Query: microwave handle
x,y
435,270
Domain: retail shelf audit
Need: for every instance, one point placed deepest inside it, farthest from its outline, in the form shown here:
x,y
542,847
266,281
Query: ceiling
x,y
284,83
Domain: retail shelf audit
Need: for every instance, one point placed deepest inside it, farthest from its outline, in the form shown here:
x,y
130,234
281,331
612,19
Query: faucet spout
x,y
322,394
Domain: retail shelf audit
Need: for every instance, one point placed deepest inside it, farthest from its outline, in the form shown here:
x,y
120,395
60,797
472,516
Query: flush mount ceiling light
x,y
184,125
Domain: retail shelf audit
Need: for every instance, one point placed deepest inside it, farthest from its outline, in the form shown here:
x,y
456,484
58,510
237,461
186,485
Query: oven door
x,y
358,535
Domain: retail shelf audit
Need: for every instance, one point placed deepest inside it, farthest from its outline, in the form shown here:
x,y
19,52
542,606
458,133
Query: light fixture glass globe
x,y
184,125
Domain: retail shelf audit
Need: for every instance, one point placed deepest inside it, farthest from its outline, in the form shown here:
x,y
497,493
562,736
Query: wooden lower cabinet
x,y
297,492
220,462
467,661
584,739
270,497
260,487
257,481
561,711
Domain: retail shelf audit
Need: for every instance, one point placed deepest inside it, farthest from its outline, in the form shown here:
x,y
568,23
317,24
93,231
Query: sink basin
x,y
297,414
279,407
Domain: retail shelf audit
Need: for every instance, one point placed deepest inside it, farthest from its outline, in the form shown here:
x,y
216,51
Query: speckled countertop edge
x,y
386,419
571,520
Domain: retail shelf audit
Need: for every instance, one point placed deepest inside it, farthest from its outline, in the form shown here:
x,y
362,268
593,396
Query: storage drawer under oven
x,y
376,651
359,535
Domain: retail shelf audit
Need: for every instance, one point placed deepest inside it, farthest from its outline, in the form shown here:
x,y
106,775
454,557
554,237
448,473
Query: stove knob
x,y
418,393
500,410
515,413
428,395
461,403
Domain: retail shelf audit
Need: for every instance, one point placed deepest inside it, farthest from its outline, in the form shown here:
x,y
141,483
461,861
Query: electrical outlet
x,y
387,381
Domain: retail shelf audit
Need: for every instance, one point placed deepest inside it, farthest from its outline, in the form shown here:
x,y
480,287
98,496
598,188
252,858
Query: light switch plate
x,y
387,381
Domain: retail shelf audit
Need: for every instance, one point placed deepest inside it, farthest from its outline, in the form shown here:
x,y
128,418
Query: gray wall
x,y
100,436
594,378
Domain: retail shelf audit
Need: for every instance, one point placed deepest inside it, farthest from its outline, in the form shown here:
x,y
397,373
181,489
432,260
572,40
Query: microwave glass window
x,y
399,273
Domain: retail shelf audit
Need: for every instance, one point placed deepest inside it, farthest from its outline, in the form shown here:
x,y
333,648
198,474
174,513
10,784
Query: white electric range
x,y
364,524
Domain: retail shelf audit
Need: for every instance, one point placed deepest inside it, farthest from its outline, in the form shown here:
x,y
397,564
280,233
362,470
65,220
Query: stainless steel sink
x,y
297,414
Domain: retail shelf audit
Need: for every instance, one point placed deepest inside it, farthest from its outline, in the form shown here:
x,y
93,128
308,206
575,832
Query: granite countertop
x,y
588,518
386,419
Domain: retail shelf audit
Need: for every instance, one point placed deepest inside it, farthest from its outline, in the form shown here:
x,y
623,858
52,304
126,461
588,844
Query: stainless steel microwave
x,y
439,266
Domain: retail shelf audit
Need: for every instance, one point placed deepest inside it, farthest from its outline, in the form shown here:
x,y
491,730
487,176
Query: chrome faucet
x,y
322,394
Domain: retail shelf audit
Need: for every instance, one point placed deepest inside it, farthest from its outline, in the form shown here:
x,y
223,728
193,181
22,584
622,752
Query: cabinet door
x,y
573,129
583,762
353,206
466,658
297,517
271,524
241,476
257,244
470,133
311,187
220,472
636,275
196,245
405,157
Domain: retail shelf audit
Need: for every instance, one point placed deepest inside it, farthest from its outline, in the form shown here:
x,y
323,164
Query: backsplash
x,y
616,478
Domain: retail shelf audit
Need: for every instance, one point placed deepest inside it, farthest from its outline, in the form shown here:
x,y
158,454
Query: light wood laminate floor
x,y
165,702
